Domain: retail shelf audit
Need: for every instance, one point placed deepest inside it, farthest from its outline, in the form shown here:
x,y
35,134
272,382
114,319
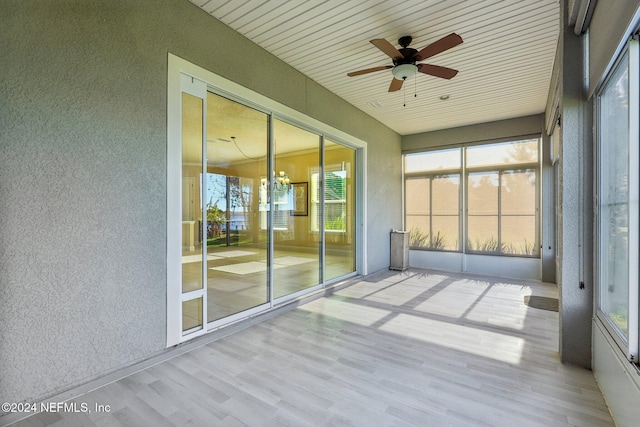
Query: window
x,y
482,211
281,209
500,194
432,207
617,299
335,200
502,198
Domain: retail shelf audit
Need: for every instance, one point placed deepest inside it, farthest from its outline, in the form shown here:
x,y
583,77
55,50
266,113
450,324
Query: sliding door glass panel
x,y
339,210
445,202
418,212
237,141
518,213
192,254
296,246
482,205
192,314
614,201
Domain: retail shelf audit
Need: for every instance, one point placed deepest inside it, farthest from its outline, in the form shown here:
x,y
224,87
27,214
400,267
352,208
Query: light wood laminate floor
x,y
413,348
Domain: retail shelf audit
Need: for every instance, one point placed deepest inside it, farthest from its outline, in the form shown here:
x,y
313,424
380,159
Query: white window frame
x,y
463,174
629,346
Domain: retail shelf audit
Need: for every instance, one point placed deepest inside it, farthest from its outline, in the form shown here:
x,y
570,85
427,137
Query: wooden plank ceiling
x,y
504,64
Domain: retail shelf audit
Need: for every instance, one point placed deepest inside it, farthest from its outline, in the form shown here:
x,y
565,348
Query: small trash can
x,y
399,250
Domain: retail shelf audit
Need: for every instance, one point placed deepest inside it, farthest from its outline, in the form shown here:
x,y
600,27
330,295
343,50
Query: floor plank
x,y
413,348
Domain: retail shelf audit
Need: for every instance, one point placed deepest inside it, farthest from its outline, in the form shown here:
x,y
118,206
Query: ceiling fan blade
x,y
395,85
369,70
387,48
447,42
438,71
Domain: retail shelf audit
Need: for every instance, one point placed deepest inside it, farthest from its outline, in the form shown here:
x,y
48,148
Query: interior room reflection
x,y
238,189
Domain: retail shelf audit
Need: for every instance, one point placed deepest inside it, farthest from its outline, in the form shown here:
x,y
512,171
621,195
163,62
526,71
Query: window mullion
x,y
431,212
463,198
323,213
499,248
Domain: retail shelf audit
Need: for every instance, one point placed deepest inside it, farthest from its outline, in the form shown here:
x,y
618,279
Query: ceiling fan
x,y
405,59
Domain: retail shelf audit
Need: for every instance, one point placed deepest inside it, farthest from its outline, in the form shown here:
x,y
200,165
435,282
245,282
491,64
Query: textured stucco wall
x,y
574,204
83,170
501,130
82,153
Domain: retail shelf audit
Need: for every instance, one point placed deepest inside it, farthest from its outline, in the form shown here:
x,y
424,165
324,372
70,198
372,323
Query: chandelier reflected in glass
x,y
281,182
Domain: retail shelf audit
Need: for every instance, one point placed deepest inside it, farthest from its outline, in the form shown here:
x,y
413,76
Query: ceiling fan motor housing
x,y
405,67
407,56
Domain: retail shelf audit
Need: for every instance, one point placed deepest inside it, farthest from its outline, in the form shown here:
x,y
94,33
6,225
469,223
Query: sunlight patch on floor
x,y
358,314
473,340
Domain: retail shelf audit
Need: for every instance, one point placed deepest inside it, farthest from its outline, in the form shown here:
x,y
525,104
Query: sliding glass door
x,y
296,247
237,141
339,209
268,211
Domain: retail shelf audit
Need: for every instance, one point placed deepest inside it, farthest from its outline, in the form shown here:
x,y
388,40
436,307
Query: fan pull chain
x,y
415,86
404,93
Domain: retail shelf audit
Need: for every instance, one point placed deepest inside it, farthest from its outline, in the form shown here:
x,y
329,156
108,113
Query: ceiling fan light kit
x,y
405,60
404,71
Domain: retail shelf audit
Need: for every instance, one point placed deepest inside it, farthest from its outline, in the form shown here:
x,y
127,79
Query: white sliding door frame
x,y
178,67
